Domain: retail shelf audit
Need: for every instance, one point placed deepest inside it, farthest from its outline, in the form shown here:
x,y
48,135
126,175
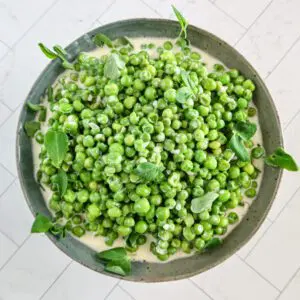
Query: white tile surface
x,y
204,14
69,285
272,35
277,255
119,294
286,97
121,10
181,289
244,252
18,16
245,12
4,113
5,179
163,7
30,272
3,49
234,280
292,291
7,248
15,217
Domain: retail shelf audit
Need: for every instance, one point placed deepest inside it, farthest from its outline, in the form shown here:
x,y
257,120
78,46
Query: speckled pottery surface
x,y
269,122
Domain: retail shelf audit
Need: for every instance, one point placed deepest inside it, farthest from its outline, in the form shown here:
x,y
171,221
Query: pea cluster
x,y
115,125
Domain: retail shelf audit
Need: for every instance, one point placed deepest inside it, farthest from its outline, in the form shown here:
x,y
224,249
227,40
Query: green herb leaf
x,y
183,94
56,143
67,65
279,158
58,230
188,81
49,53
131,241
50,94
237,146
41,224
34,107
60,52
113,66
118,253
122,41
61,181
148,171
182,21
43,115
204,202
101,39
31,127
120,267
214,242
245,130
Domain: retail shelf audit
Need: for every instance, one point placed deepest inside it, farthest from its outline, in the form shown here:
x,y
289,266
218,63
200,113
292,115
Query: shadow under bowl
x,y
269,122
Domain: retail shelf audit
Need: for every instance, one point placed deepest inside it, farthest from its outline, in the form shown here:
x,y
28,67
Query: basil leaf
x,y
34,107
112,66
101,39
122,41
56,143
61,181
43,115
237,146
204,202
148,171
118,253
187,81
41,224
279,158
31,127
214,242
49,53
182,21
183,94
120,267
245,130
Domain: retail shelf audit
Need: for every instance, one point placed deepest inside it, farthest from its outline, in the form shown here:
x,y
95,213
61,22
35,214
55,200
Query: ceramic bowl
x,y
272,137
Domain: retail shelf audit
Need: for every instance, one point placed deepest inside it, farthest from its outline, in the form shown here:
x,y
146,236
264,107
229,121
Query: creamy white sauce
x,y
97,243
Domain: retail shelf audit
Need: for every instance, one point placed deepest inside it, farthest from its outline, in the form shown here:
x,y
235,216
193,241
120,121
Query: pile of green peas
x,y
114,125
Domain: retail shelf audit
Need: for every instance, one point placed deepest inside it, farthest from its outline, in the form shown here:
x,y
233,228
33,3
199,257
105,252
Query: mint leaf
x,y
113,254
101,39
183,94
182,21
188,81
56,143
245,130
43,115
49,53
34,107
122,41
237,146
204,202
61,182
214,242
50,94
31,127
148,171
279,158
120,267
112,66
60,52
41,224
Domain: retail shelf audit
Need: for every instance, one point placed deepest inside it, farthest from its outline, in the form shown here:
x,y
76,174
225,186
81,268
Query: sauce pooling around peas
x,y
152,164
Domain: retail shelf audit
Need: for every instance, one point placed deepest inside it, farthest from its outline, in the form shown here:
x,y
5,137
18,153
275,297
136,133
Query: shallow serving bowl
x,y
192,265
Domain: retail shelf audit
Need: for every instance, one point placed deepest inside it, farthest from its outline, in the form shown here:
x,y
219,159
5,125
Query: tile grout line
x,y
8,187
199,288
288,283
260,275
283,208
4,167
291,121
252,24
15,252
283,57
106,10
4,104
125,291
154,10
59,276
9,238
112,289
228,15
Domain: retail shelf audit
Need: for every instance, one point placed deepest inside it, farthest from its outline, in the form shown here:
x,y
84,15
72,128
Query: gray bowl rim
x,y
169,277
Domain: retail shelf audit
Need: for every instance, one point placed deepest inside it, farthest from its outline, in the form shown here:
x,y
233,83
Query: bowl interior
x,y
185,267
